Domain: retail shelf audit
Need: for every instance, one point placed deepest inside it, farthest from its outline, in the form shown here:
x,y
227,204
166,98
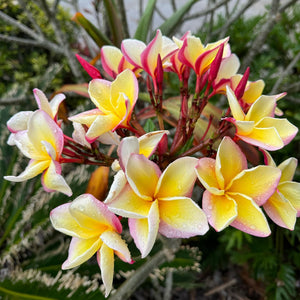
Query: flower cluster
x,y
195,148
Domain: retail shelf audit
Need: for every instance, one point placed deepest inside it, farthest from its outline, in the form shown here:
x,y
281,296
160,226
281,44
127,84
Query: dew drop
x,y
209,207
252,227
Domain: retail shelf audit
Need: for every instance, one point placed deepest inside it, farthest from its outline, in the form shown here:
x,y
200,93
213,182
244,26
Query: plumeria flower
x,y
19,121
233,192
145,57
94,229
228,68
114,100
157,202
42,142
199,57
259,127
253,91
283,207
114,62
176,65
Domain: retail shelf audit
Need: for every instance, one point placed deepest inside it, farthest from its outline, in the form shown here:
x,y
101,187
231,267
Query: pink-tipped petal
x,y
80,250
91,213
181,217
55,102
149,141
42,128
33,169
258,183
206,172
116,187
127,146
286,130
62,220
114,241
18,122
53,181
111,57
105,258
288,169
144,231
281,211
178,178
291,191
142,175
132,50
87,118
265,138
42,102
220,210
250,218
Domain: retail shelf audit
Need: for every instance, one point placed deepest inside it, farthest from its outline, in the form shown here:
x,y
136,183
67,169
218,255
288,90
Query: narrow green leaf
x,y
115,23
144,24
24,296
99,38
149,126
168,27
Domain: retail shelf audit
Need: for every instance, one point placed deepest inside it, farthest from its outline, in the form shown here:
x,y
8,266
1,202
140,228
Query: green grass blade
x,y
144,24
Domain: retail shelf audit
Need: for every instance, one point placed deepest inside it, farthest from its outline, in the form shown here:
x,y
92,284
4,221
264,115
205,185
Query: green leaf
x,y
144,24
115,23
168,27
99,38
149,126
23,295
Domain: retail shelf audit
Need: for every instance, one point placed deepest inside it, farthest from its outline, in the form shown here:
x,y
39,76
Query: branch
x,y
285,73
261,37
9,101
222,31
61,39
29,42
141,274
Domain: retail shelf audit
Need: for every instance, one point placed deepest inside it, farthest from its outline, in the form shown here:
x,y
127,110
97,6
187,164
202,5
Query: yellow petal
x,y
142,175
132,50
106,263
235,107
149,141
33,169
87,118
230,161
126,83
285,129
80,251
291,191
181,217
258,183
99,91
253,91
281,211
288,168
93,214
114,241
144,231
244,127
265,138
128,204
101,125
193,49
53,181
220,210
63,221
42,102
206,172
250,218
110,58
177,179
